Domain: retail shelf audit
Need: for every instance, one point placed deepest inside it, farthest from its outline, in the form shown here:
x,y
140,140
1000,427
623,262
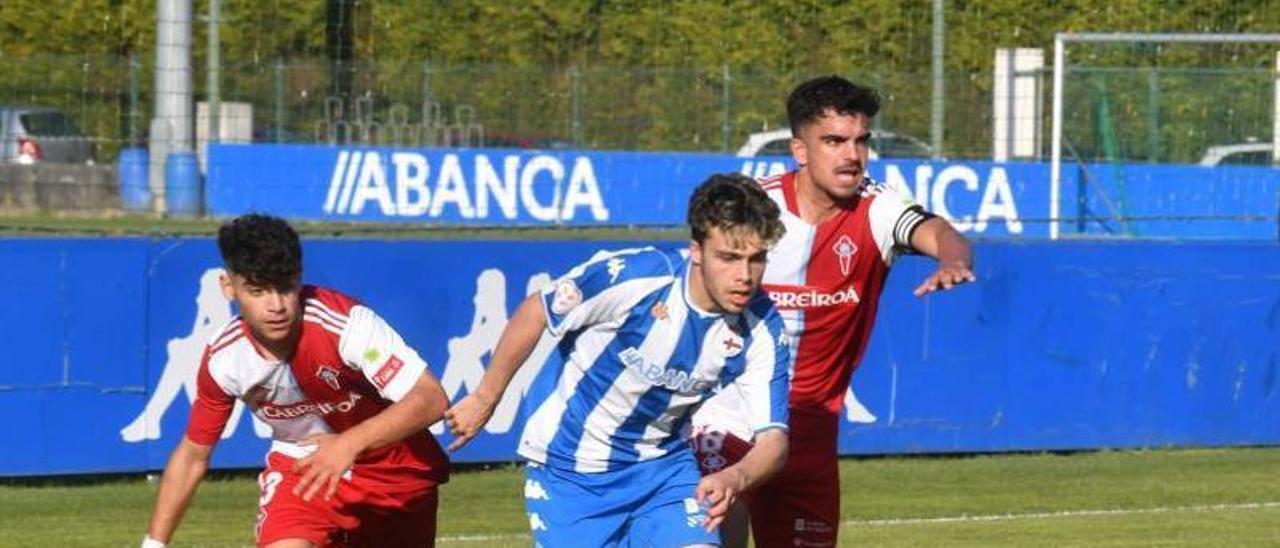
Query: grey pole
x,y
938,110
726,102
215,65
171,128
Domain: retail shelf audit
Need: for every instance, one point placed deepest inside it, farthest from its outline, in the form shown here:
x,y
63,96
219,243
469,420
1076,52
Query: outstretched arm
x,y
182,474
468,416
721,489
938,239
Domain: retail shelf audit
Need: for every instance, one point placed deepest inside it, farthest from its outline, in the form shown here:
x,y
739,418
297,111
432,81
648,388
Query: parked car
x,y
31,134
1240,154
884,144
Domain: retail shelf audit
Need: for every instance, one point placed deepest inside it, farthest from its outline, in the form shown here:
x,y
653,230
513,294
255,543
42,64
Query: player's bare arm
x,y
186,467
938,239
421,407
722,489
469,415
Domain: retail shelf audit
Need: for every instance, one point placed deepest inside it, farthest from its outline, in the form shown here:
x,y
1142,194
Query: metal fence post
x,y
727,107
575,105
426,82
135,108
278,85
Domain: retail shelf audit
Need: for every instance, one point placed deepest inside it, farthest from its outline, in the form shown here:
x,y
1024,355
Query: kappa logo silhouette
x,y
182,363
468,353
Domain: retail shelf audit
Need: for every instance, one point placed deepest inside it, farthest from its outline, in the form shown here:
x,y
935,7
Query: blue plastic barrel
x,y
131,171
182,184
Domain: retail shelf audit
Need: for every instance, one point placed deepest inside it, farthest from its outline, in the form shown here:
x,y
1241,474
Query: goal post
x,y
1060,43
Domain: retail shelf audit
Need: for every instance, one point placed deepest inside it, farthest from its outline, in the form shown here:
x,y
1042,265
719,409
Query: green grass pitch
x,y
1190,497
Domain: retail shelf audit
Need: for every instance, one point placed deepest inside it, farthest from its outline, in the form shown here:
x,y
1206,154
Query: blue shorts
x,y
646,504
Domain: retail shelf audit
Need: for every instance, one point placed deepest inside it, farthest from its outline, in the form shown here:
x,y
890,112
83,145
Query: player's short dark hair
x,y
263,249
811,99
733,202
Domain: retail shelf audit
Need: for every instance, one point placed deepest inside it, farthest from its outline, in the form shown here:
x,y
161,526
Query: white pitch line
x,y
1060,514
969,519
482,538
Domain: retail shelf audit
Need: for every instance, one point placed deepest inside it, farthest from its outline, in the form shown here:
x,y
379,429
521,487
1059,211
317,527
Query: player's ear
x,y
799,152
695,252
228,290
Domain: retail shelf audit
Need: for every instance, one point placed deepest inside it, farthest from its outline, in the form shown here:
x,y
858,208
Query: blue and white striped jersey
x,y
636,356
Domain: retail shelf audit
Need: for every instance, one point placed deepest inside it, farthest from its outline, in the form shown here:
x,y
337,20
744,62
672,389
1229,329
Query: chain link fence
x,y
419,103
1149,114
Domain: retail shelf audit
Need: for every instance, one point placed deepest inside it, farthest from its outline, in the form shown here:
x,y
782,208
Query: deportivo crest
x,y
845,248
567,297
728,340
330,376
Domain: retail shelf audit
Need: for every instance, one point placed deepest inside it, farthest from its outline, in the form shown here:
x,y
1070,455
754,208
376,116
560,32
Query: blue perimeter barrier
x,y
496,187
1067,345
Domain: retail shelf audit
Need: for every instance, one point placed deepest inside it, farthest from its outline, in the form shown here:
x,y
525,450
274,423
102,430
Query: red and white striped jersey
x,y
348,366
826,281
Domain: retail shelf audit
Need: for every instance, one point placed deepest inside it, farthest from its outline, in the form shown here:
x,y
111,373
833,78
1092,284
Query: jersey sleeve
x,y
894,216
766,380
212,408
372,346
604,288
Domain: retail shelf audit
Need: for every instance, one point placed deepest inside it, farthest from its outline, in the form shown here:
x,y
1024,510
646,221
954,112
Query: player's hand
x,y
323,470
467,417
946,277
718,493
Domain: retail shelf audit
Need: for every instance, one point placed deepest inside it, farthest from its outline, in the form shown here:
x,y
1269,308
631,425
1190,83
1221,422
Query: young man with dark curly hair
x,y
348,402
646,335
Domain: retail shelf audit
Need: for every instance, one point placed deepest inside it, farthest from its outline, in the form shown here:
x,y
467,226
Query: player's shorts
x,y
646,504
799,507
374,506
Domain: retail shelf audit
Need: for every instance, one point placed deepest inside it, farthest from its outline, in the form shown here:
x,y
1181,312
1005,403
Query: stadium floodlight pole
x,y
1059,68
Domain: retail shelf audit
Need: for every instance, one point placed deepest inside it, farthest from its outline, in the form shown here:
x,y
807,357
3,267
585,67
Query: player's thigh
x,y
291,543
672,516
735,529
563,512
799,507
284,517
411,526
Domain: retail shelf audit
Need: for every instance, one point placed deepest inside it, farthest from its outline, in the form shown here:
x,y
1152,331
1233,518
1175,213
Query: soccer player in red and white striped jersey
x,y
351,462
825,276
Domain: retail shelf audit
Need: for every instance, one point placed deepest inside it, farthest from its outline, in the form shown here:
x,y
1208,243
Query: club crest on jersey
x,y
567,297
660,311
728,339
731,344
845,249
330,376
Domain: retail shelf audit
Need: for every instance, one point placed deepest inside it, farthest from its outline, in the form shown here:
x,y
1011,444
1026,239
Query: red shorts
x,y
799,507
374,506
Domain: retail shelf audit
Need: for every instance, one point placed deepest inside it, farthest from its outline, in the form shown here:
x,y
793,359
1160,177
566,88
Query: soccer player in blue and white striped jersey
x,y
645,336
